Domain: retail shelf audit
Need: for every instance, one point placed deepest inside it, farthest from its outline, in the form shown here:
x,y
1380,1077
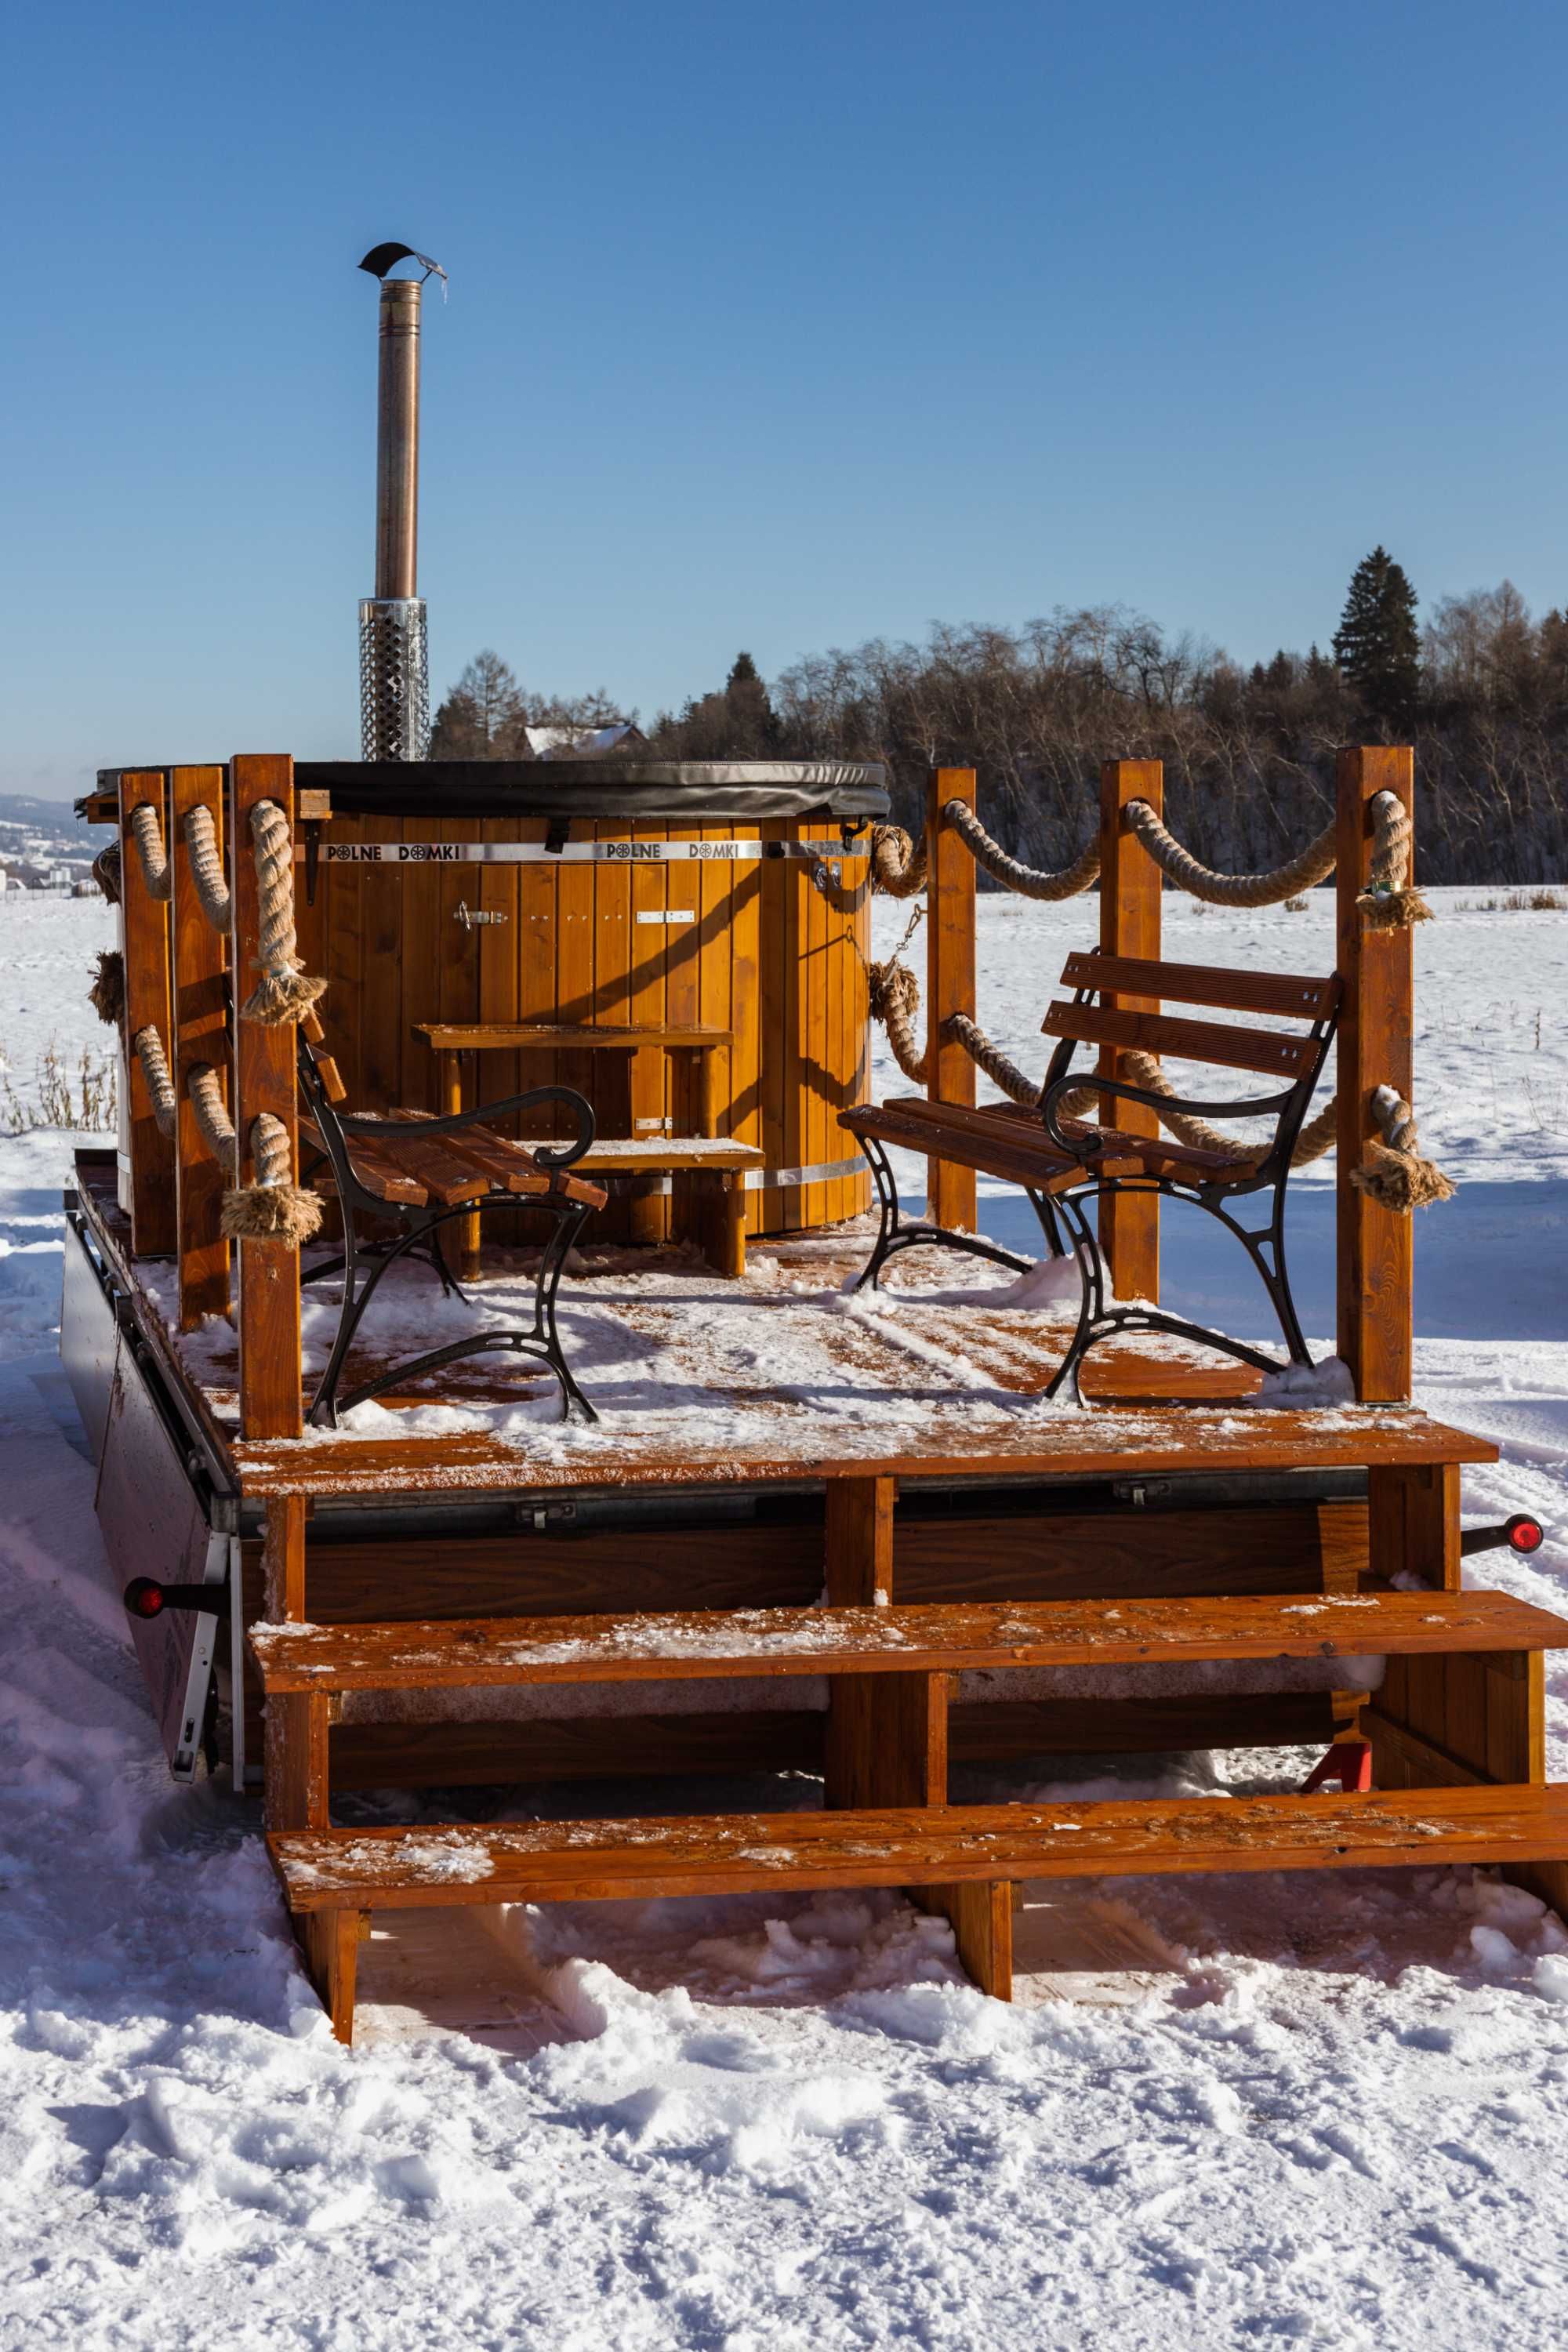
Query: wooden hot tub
x,y
627,895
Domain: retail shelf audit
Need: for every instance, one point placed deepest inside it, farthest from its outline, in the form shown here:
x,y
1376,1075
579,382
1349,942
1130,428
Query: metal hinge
x,y
1141,1491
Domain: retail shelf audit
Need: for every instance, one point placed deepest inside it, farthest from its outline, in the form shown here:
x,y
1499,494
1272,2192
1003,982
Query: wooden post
x,y
201,1034
1129,885
468,1227
295,1793
1374,1256
949,985
146,933
1413,1523
264,1080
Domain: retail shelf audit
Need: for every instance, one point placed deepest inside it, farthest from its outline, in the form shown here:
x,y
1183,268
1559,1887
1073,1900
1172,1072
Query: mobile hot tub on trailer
x,y
859,1593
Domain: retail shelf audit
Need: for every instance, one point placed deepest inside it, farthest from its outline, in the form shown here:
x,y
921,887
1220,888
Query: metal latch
x,y
546,1518
1140,1492
472,917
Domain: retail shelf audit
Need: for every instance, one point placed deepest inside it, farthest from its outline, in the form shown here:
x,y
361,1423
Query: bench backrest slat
x,y
1289,994
1270,1050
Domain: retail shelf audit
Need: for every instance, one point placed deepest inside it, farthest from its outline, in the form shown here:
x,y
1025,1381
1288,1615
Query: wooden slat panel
x,y
745,1118
1240,1550
201,1034
146,928
1286,994
858,1640
1279,1055
589,1861
384,952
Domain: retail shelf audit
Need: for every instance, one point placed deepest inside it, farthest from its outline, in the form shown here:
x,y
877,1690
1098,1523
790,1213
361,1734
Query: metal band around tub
x,y
575,852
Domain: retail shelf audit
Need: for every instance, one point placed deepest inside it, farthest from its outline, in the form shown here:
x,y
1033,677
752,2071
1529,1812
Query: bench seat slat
x,y
552,1862
925,1637
994,1151
1291,995
1013,1121
1270,1050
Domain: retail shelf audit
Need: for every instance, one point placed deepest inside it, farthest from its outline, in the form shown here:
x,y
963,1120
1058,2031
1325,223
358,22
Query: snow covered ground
x,y
1224,2112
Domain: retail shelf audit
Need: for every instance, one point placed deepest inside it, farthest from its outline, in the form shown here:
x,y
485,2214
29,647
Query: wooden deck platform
x,y
1169,1409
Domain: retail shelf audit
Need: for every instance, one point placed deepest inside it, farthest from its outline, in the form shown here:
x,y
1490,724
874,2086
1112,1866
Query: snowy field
x,y
1223,2112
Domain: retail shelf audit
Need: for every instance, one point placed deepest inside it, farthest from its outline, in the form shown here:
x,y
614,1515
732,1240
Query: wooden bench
x,y
416,1174
1065,1164
887,1820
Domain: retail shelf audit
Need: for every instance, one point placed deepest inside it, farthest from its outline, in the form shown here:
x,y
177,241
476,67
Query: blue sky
x,y
777,326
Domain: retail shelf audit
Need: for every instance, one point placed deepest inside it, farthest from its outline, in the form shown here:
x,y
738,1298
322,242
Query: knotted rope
x,y
106,872
205,1091
148,835
1311,865
207,867
107,994
898,864
284,992
272,1208
895,999
1391,902
1028,881
1391,1172
154,1064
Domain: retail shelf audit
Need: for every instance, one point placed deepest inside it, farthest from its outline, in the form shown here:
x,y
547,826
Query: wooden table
x,y
452,1039
643,1047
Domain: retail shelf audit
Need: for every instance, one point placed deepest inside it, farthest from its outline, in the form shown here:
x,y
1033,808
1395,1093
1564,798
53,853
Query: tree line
x,y
1480,688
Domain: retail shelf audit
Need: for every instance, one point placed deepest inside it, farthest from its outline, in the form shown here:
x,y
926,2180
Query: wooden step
x,y
928,1638
580,1862
1149,1438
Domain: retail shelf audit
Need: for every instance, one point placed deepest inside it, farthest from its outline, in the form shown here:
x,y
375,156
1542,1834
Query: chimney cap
x,y
382,258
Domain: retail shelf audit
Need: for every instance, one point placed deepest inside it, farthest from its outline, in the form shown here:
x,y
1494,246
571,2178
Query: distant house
x,y
582,743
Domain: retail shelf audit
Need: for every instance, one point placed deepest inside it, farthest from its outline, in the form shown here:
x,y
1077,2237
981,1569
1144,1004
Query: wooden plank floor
x,y
1174,1408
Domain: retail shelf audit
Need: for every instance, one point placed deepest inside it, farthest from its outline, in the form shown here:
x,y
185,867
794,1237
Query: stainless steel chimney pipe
x,y
395,665
398,441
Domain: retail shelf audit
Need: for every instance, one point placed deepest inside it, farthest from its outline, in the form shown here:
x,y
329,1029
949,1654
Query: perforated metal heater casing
x,y
393,678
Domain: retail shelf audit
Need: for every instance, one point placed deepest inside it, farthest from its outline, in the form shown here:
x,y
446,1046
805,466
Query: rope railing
x,y
1028,881
207,867
149,1050
1310,866
147,833
284,991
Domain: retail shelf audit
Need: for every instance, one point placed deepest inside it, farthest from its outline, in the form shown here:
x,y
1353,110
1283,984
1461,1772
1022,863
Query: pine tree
x,y
1376,644
751,712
